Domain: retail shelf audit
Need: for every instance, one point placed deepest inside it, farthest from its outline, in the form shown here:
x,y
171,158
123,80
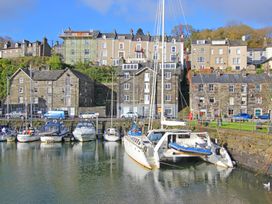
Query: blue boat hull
x,y
190,149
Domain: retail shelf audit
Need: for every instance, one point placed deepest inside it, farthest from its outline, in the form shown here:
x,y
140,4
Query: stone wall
x,y
250,150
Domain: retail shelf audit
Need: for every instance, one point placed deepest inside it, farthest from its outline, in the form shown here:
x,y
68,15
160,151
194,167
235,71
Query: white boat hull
x,y
84,134
111,138
136,153
49,139
3,138
27,138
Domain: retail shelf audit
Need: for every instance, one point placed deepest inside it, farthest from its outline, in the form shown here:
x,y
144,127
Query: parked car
x,y
16,114
88,115
130,115
56,114
241,117
265,116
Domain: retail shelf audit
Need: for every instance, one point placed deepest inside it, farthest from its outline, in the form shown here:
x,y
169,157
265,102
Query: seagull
x,y
267,185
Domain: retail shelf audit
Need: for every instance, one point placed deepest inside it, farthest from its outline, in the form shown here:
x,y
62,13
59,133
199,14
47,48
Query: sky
x,y
35,19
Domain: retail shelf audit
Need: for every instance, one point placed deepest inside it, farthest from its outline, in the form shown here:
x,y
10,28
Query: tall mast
x,y
162,65
111,98
30,94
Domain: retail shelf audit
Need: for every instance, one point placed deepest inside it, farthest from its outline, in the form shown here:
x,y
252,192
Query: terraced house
x,y
219,54
212,95
137,82
50,89
110,48
25,48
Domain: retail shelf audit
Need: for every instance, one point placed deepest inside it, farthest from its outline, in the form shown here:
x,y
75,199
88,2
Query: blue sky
x,y
34,19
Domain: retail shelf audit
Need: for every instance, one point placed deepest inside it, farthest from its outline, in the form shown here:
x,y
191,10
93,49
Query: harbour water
x,y
101,172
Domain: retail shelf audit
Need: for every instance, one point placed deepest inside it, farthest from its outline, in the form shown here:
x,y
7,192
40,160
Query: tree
x,y
55,62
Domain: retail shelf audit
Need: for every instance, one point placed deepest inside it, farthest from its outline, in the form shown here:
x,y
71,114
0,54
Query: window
x,y
21,90
155,56
36,100
244,101
231,88
217,60
212,51
73,42
231,101
201,100
21,99
138,48
126,75
173,58
168,86
146,87
126,86
212,100
104,45
211,87
200,87
168,98
104,53
230,111
21,80
220,51
236,61
237,68
86,51
147,77
86,42
168,75
72,51
259,100
139,55
115,62
244,88
146,99
121,46
238,51
200,59
104,62
49,99
173,49
49,90
168,111
221,60
86,60
202,50
126,97
121,54
258,87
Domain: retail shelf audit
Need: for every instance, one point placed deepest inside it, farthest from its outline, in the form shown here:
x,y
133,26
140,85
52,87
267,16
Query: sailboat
x,y
28,133
111,134
172,143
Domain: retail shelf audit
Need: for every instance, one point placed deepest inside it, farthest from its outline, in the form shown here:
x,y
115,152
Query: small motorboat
x,y
53,131
111,135
84,131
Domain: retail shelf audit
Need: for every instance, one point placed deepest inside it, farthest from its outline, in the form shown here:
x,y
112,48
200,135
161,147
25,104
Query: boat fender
x,y
145,149
222,152
217,151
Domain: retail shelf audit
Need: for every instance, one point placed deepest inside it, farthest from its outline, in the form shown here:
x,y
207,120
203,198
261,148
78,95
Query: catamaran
x,y
167,143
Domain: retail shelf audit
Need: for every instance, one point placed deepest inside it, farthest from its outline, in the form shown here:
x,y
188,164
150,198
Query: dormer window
x,y
139,39
173,40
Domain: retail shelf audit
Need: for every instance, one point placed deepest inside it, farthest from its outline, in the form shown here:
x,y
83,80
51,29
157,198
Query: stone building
x,y
51,89
218,54
137,82
109,48
26,48
212,95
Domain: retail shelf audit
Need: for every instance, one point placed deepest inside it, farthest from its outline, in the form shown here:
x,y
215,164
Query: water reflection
x,y
96,172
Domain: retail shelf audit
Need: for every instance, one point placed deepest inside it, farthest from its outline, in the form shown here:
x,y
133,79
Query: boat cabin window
x,y
155,136
184,136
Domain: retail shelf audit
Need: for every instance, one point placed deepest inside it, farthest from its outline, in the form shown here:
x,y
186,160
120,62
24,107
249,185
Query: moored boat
x,y
84,131
28,135
53,131
111,135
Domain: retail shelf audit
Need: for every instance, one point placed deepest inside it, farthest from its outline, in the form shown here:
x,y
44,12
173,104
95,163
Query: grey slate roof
x,y
231,78
44,75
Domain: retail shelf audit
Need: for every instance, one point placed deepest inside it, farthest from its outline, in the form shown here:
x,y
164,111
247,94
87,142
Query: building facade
x,y
218,54
214,95
50,89
139,82
111,48
26,48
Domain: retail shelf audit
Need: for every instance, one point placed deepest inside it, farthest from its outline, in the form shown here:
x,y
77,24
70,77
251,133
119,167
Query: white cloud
x,y
10,8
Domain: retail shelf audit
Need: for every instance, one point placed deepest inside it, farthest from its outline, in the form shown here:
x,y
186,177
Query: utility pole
x,y
133,91
8,95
